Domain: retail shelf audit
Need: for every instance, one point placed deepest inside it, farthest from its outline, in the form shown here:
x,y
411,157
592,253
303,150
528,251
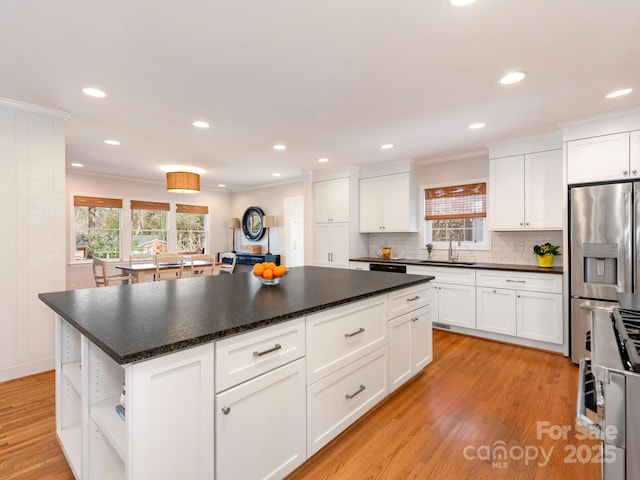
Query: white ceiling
x,y
329,78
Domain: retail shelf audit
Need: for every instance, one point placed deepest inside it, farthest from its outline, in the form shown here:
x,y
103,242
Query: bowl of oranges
x,y
268,273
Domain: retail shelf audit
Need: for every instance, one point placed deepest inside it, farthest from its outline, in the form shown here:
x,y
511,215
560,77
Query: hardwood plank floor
x,y
442,425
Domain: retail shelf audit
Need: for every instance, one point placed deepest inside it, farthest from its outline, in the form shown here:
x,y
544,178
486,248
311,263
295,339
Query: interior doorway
x,y
294,231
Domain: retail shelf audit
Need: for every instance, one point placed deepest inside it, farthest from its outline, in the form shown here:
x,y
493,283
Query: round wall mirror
x,y
253,223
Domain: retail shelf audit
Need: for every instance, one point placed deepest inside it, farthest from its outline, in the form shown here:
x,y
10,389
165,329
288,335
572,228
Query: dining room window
x,y
98,224
191,228
457,212
149,226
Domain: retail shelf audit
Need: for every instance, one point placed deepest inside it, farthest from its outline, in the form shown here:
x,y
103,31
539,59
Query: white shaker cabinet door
x,y
496,310
543,190
261,427
539,316
598,159
506,193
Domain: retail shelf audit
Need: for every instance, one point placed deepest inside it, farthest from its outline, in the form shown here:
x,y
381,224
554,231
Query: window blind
x,y
82,201
458,201
182,208
140,205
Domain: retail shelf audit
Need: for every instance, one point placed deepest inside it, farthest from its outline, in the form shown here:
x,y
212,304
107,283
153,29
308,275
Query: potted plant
x,y
545,253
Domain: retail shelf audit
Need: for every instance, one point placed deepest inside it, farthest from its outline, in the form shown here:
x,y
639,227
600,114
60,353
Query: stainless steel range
x,y
609,391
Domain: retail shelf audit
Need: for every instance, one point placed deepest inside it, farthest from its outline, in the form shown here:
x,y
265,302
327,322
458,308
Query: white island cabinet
x,y
250,394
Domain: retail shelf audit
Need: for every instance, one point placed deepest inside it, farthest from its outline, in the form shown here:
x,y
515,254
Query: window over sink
x,y
456,212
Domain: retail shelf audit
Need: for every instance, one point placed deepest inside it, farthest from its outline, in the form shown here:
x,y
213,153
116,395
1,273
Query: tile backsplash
x,y
506,247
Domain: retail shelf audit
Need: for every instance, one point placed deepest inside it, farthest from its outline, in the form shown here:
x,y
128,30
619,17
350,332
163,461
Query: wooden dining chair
x,y
227,262
169,266
102,277
137,258
202,270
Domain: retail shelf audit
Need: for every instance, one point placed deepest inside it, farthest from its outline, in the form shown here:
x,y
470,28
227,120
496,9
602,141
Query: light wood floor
x,y
475,395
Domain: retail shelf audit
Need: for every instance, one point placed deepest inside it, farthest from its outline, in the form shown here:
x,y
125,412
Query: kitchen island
x,y
224,368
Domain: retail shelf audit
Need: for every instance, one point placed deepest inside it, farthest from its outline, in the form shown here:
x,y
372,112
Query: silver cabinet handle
x,y
348,335
625,172
634,172
351,395
516,281
414,319
521,224
328,257
413,299
226,410
277,346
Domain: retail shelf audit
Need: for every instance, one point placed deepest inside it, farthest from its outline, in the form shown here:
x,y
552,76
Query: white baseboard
x,y
17,371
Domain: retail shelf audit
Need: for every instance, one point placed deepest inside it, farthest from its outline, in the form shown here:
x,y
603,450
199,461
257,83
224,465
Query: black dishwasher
x,y
387,267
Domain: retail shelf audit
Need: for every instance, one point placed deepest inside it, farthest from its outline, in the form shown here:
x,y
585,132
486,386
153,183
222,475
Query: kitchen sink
x,y
434,262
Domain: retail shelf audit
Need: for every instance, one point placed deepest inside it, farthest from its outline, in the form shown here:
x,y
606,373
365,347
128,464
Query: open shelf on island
x,y
111,424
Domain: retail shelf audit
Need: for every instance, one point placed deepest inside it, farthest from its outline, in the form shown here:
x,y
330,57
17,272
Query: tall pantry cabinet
x,y
335,207
32,202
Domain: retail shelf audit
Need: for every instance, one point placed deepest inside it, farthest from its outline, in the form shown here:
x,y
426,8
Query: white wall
x,y
506,247
32,153
80,276
271,201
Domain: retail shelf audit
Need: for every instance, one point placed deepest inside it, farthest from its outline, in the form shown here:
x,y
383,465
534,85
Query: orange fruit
x,y
278,271
258,270
268,274
270,266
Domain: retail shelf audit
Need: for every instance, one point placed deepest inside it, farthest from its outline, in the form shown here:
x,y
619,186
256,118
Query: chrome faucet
x,y
453,256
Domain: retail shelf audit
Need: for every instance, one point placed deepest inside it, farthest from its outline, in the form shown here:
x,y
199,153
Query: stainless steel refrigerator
x,y
603,236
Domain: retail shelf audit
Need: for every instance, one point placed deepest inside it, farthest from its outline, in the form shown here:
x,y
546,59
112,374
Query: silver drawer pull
x,y
351,395
414,319
277,346
516,281
348,335
412,299
226,410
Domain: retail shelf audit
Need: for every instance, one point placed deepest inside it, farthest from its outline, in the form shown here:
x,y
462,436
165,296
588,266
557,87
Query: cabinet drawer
x,y
408,299
253,353
534,282
336,401
459,275
341,335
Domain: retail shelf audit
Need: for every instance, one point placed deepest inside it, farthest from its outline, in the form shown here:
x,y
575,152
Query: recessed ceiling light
x,y
619,93
221,185
476,126
94,92
461,3
323,160
513,77
200,124
279,147
112,142
275,174
387,146
79,165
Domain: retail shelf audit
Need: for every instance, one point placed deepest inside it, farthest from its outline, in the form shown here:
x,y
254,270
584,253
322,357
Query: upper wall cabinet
x,y
526,192
388,204
602,158
331,200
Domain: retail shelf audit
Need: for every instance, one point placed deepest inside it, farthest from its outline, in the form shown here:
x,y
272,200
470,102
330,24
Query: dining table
x,y
140,270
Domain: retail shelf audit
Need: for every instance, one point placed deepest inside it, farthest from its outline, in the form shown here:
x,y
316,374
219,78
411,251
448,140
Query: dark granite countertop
x,y
481,266
133,322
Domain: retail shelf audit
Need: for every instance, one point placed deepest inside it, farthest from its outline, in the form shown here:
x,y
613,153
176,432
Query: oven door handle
x,y
581,410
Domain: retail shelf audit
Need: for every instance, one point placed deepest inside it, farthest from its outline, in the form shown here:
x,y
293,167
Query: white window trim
x,y
485,246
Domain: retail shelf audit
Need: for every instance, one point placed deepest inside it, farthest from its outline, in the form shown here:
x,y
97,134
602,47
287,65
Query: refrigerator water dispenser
x,y
600,263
